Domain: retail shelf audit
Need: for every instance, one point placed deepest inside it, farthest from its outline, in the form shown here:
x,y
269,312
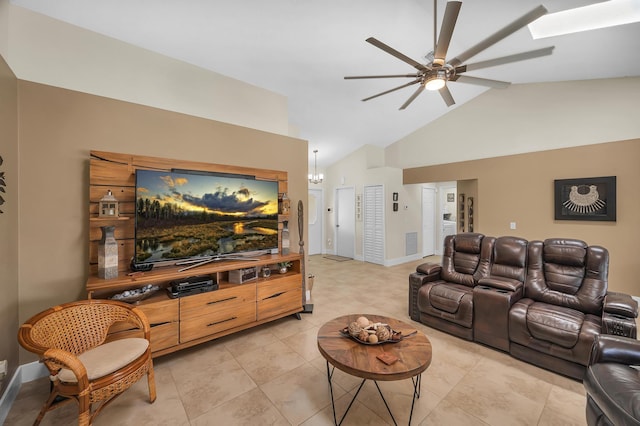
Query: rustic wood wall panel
x,y
116,172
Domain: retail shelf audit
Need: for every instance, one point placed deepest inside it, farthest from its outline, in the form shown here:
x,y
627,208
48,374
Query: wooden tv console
x,y
187,321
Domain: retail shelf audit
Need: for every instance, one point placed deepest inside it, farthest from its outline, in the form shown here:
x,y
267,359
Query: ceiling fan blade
x,y
511,58
496,37
390,50
446,95
356,77
446,31
392,90
412,97
496,84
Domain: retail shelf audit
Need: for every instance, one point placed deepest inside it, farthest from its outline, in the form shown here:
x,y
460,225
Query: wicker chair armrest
x,y
55,359
140,320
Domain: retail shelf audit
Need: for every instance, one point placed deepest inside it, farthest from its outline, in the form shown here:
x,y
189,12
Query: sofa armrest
x,y
618,325
620,304
429,269
501,283
618,349
425,273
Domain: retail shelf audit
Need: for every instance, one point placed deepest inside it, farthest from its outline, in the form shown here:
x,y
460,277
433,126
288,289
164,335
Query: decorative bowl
x,y
136,295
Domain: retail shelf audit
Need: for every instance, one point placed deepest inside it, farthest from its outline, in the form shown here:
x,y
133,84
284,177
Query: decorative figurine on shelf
x,y
285,237
285,205
108,254
108,206
266,271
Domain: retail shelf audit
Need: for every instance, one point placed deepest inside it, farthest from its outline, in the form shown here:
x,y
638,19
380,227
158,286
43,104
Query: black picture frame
x,y
395,207
395,196
592,199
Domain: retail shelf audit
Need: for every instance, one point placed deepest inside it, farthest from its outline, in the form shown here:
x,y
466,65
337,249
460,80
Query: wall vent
x,y
411,243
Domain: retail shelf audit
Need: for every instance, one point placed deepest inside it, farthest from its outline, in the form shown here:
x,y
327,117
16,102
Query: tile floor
x,y
274,374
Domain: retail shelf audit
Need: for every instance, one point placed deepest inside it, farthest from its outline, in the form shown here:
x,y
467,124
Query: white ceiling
x,y
303,48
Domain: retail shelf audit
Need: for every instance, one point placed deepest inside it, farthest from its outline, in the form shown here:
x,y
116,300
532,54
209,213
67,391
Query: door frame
x,y
320,200
434,235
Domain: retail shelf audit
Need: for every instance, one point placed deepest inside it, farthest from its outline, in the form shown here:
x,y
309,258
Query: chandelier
x,y
315,177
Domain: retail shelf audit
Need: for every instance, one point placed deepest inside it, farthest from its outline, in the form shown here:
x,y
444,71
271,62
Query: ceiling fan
x,y
436,74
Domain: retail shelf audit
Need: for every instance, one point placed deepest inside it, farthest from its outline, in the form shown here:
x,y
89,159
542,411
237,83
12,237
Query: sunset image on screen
x,y
181,215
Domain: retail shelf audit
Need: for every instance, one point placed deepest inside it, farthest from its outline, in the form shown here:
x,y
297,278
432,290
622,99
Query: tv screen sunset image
x,y
182,214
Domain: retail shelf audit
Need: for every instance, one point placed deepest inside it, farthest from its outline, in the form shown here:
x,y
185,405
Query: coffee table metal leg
x,y
416,380
387,405
333,404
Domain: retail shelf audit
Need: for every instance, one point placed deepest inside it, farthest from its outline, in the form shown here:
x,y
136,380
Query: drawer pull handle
x,y
220,322
222,300
274,295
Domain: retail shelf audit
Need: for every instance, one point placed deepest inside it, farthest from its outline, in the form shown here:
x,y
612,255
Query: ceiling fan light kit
x,y
436,81
435,75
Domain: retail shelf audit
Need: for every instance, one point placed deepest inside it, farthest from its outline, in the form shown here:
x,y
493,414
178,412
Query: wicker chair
x,y
70,341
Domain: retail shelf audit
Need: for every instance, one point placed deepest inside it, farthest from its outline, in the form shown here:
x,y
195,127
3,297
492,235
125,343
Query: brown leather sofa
x,y
543,302
612,384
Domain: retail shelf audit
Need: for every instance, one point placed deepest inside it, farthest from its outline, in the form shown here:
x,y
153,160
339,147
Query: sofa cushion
x,y
107,358
555,324
446,298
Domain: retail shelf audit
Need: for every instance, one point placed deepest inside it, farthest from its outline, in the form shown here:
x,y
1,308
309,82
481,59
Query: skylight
x,y
600,15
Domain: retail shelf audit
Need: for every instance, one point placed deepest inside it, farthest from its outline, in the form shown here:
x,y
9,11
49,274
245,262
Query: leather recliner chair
x,y
555,324
612,384
442,296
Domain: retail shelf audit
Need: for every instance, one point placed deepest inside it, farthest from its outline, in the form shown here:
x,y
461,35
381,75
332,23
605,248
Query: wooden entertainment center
x,y
178,323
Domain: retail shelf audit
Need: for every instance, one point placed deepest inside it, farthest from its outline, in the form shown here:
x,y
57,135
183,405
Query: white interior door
x,y
373,224
315,221
428,221
345,222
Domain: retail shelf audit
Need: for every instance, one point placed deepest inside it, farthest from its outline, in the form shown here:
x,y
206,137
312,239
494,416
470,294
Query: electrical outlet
x,y
3,368
512,225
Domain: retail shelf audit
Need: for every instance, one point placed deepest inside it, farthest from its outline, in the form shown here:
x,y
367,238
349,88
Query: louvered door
x,y
373,223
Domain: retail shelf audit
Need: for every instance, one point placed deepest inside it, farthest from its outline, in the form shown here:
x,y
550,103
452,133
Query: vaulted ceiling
x,y
303,48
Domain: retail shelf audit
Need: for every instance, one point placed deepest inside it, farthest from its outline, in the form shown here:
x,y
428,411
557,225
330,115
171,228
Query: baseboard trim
x,y
401,260
24,373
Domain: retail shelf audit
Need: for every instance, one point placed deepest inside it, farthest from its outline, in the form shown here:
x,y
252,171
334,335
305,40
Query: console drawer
x,y
279,296
164,336
217,300
217,320
161,312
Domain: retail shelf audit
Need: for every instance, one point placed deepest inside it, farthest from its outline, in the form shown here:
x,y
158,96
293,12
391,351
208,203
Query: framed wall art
x,y
585,199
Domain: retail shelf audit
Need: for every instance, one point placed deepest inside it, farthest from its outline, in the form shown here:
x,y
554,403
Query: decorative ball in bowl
x,y
371,333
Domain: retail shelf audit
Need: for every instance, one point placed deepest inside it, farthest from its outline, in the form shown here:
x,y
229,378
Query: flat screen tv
x,y
190,215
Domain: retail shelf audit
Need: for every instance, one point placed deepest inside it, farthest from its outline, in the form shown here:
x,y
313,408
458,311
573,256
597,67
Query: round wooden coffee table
x,y
360,360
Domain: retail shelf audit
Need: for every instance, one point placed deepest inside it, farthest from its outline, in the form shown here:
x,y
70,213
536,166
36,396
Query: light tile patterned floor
x,y
274,374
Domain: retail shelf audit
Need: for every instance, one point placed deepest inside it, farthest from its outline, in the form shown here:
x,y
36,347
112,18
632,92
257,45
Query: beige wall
x,y
525,118
365,166
9,220
519,188
48,51
59,127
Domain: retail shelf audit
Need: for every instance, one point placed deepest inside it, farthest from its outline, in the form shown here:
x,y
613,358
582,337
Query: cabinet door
x,y
279,295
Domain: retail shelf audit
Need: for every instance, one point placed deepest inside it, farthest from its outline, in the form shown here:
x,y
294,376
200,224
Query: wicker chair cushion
x,y
107,358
